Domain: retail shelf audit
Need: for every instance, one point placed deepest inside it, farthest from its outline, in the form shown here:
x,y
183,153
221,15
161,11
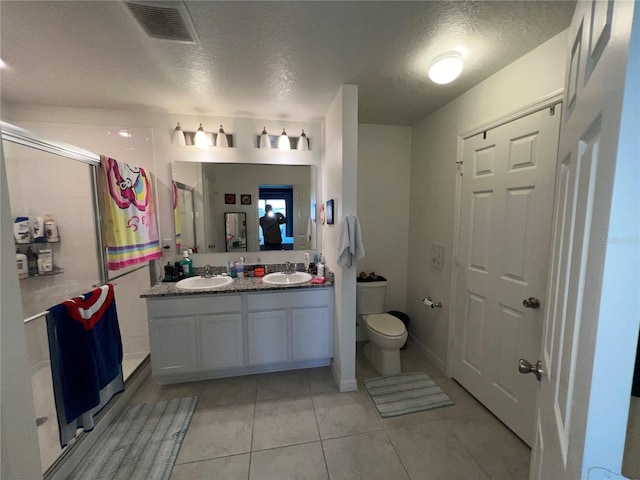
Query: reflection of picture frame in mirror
x,y
329,212
313,212
245,199
230,198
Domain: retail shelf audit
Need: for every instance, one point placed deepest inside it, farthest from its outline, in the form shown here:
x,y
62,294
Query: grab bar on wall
x,y
36,316
46,312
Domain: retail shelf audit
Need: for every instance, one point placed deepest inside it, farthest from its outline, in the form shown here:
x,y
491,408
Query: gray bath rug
x,y
405,393
142,443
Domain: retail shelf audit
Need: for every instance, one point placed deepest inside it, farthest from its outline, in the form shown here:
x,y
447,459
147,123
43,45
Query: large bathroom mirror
x,y
222,189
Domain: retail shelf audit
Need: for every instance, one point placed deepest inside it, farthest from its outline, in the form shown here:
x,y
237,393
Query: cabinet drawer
x,y
169,306
303,298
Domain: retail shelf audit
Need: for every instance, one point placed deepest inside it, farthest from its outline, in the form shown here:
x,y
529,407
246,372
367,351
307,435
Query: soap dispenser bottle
x,y
187,264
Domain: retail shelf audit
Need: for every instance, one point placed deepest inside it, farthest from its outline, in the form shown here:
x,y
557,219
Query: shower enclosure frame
x,y
71,455
18,135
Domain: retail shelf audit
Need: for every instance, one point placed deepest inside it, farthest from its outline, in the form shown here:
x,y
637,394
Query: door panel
x,y
591,324
507,196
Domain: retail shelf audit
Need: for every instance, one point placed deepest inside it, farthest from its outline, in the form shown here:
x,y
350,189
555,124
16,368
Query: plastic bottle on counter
x,y
187,264
320,267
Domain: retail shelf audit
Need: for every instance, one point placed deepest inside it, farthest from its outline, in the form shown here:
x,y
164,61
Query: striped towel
x,y
131,225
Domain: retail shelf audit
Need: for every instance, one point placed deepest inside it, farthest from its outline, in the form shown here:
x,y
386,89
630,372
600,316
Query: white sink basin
x,y
282,279
199,283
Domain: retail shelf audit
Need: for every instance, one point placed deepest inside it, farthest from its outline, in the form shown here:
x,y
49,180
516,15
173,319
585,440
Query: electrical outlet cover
x,y
437,256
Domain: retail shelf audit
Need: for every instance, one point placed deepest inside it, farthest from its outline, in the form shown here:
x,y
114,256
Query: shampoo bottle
x,y
187,264
23,269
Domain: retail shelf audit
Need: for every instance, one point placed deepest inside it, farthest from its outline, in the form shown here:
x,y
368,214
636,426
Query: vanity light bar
x,y
295,141
190,138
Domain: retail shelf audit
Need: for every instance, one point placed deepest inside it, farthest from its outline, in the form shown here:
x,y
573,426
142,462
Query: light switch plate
x,y
437,256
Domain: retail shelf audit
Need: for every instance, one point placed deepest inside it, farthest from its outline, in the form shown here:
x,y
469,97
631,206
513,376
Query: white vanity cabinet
x,y
192,334
311,332
195,337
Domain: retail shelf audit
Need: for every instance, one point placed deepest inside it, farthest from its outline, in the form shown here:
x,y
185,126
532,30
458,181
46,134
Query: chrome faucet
x,y
207,273
287,268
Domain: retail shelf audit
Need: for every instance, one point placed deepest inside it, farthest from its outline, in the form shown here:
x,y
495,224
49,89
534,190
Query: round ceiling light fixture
x,y
445,68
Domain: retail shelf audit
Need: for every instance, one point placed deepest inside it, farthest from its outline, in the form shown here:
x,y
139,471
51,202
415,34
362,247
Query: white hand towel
x,y
350,244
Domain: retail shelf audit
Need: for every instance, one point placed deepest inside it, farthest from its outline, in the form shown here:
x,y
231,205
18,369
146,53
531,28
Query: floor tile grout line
x,y
446,424
397,454
253,428
211,459
324,455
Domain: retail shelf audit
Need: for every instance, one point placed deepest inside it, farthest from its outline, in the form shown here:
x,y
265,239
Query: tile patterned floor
x,y
296,425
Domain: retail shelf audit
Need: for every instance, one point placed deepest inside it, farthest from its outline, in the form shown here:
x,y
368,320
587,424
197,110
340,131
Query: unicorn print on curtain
x,y
131,225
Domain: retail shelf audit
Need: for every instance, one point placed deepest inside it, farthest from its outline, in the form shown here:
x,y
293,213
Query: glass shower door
x,y
47,186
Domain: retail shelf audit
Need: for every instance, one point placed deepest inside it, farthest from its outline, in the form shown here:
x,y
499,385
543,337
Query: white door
x,y
591,323
505,230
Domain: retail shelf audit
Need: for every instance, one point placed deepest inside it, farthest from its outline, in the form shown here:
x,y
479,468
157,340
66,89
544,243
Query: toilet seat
x,y
385,324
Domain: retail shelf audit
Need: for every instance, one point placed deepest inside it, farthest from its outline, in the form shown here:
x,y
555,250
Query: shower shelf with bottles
x,y
46,268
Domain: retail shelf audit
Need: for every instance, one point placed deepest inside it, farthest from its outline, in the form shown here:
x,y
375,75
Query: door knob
x,y
531,302
525,367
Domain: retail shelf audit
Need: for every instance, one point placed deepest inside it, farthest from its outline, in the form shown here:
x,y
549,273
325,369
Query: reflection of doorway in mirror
x,y
186,209
235,231
280,197
279,206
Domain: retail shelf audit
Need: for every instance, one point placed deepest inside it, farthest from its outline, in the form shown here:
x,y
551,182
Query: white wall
x,y
384,173
534,76
339,173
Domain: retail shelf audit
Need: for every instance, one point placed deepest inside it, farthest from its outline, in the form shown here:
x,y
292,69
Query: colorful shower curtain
x,y
131,226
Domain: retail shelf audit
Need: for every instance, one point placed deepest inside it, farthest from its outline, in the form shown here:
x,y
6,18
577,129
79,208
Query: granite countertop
x,y
239,285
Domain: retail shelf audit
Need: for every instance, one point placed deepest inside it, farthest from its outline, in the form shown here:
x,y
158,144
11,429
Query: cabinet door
x,y
312,333
221,341
173,345
267,336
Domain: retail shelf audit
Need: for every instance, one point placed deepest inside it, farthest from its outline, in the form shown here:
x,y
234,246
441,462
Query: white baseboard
x,y
433,358
343,385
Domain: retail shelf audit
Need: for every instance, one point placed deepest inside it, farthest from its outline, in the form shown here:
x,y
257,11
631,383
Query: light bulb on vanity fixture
x,y
446,67
303,142
201,138
222,140
283,141
265,143
178,136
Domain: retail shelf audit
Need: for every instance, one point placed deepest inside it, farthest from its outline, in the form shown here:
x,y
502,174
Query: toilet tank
x,y
370,297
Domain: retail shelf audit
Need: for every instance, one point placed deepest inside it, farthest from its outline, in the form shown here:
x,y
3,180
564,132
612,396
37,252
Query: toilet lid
x,y
386,324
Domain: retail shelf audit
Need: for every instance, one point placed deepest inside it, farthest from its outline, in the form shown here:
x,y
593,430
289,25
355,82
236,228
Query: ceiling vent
x,y
165,20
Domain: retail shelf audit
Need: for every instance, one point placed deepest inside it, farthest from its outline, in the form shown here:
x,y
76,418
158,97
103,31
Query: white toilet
x,y
386,332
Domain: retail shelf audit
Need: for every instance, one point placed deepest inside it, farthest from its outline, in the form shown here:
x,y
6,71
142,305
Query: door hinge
x,y
459,167
484,135
552,110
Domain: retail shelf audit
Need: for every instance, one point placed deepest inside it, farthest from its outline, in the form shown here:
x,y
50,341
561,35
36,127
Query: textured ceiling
x,y
265,59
